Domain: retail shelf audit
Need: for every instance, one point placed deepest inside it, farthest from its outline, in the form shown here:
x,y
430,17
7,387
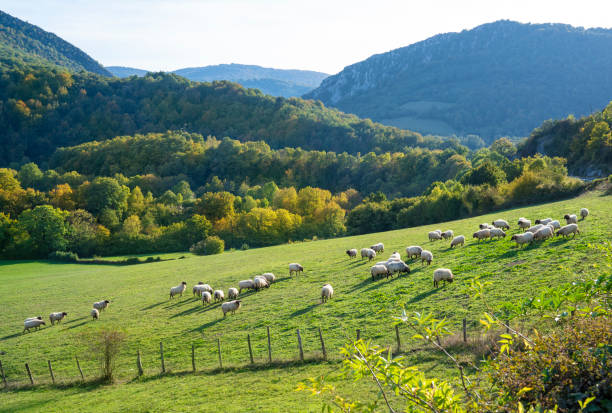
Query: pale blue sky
x,y
323,35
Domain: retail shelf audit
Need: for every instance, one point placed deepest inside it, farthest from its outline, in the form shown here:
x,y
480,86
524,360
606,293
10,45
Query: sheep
x,y
442,274
206,297
32,323
295,268
543,221
352,253
34,318
232,293
584,213
524,223
101,305
426,256
434,235
368,253
200,288
179,289
414,251
482,234
485,226
380,247
95,314
270,278
501,223
555,224
327,292
543,233
522,239
57,317
398,266
448,234
458,240
568,229
497,232
245,285
535,228
570,219
230,306
395,256
259,283
377,270
218,295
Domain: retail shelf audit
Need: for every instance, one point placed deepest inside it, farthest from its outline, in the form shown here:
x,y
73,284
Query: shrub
x,y
63,256
199,248
211,245
244,247
132,260
105,345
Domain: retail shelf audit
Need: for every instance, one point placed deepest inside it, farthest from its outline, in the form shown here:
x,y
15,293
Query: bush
x,y
211,245
244,247
105,345
64,256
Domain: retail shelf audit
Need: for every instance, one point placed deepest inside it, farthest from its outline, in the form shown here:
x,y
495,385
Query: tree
x,y
30,175
46,228
62,197
105,193
184,189
135,202
485,174
504,147
131,226
216,205
83,234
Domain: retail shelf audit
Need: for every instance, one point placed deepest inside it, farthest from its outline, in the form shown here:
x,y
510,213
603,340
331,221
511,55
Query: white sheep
x,y
32,323
179,289
522,239
544,233
395,256
352,253
57,317
448,234
101,305
568,229
426,256
259,283
485,226
398,266
295,268
200,287
501,223
270,278
543,221
219,295
442,274
327,292
570,219
206,297
368,253
95,314
555,224
34,318
245,285
377,270
380,247
434,235
458,240
230,306
524,223
535,228
482,234
414,251
232,293
584,213
497,232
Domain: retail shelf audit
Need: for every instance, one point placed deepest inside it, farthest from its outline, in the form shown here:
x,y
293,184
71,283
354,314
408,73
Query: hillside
x,y
19,39
140,307
123,71
502,78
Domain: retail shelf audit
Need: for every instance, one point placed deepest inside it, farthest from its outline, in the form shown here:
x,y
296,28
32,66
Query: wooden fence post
x,y
219,349
161,352
300,345
507,326
29,374
250,350
464,330
3,376
79,367
322,345
139,363
193,366
269,348
51,371
358,334
397,336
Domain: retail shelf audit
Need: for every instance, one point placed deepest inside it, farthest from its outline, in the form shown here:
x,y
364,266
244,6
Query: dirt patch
x,y
517,262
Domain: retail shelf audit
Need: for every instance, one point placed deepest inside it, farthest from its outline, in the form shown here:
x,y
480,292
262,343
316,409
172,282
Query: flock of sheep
x,y
543,229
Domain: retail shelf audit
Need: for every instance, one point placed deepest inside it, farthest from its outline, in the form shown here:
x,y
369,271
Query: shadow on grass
x,y
75,320
11,336
153,305
303,310
361,285
421,296
82,323
183,301
209,324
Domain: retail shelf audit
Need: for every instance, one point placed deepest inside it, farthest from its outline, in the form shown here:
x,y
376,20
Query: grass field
x,y
141,308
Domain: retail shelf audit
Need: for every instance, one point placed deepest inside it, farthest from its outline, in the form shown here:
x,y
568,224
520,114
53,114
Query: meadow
x,y
140,307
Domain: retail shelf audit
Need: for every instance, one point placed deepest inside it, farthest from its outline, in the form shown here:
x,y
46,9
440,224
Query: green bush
x,y
244,247
211,245
63,256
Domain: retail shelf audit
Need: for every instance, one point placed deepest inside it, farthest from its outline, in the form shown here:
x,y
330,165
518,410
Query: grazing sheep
x,y
414,251
442,274
95,314
535,228
485,226
245,285
524,223
544,233
101,305
218,295
295,268
497,232
200,288
458,240
232,293
32,323
179,289
584,213
448,234
230,306
568,229
57,317
398,266
379,247
327,292
270,278
555,224
522,239
377,270
395,256
501,223
259,283
543,221
352,253
482,234
570,219
368,253
426,256
206,297
34,318
434,235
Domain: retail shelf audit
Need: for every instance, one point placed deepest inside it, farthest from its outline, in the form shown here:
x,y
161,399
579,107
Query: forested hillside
x,y
23,41
499,79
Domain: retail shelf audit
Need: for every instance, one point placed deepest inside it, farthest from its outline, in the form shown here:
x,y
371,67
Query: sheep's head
x,y
106,302
475,235
537,221
566,216
39,318
64,313
514,237
450,280
43,323
200,283
184,283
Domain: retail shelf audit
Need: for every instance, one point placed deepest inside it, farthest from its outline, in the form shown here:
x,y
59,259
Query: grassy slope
x,y
140,306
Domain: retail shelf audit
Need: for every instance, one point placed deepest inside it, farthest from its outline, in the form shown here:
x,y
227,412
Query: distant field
x,y
140,306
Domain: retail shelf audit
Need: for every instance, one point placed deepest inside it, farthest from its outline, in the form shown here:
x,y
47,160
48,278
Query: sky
x,y
321,35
